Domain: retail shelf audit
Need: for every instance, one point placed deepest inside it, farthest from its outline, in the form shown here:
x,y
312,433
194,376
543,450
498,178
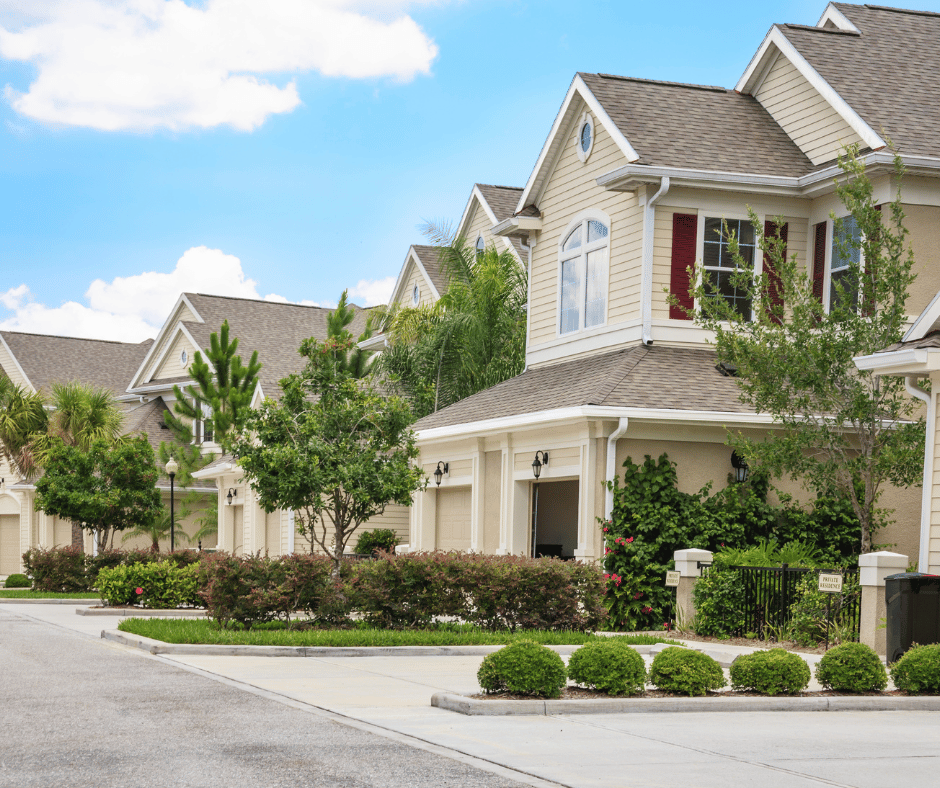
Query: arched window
x,y
583,255
480,247
415,295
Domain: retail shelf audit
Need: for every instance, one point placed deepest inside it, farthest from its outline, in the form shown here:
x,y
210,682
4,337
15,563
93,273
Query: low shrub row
x,y
17,581
160,585
68,569
412,590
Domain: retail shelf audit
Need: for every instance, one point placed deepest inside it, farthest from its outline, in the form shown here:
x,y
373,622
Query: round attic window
x,y
184,357
585,139
415,295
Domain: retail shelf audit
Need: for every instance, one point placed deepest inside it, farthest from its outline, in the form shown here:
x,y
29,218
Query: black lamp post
x,y
171,468
541,458
439,471
740,467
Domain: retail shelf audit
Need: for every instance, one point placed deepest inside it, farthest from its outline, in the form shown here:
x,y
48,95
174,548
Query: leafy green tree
x,y
104,488
158,527
842,430
472,338
332,449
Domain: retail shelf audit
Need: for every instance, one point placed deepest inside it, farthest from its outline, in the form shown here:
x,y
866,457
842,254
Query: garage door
x,y
453,519
9,544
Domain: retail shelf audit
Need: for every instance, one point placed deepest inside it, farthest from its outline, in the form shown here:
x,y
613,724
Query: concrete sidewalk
x,y
865,749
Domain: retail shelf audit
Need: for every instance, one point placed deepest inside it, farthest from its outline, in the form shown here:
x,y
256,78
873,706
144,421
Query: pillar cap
x,y
884,558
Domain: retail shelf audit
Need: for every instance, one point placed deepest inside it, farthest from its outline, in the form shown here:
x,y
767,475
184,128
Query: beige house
x,y
625,195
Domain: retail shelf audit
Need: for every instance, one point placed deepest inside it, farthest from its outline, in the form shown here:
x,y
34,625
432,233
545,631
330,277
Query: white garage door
x,y
453,519
9,544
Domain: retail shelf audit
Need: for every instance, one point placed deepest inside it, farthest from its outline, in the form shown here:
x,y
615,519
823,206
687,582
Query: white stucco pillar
x,y
873,569
687,562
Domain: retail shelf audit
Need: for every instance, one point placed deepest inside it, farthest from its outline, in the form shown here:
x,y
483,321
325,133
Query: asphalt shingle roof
x,y
501,199
697,127
888,74
656,377
50,359
430,257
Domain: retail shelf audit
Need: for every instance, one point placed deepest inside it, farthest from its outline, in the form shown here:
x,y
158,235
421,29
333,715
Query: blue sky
x,y
298,151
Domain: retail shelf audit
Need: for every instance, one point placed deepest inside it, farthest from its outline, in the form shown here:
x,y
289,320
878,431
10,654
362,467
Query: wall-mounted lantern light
x,y
439,471
740,467
232,495
541,458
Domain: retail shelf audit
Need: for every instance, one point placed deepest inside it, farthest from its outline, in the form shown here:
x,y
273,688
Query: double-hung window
x,y
845,255
718,264
202,428
583,256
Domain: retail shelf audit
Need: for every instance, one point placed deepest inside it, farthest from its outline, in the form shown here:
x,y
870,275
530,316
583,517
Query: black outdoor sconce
x,y
232,495
537,463
740,467
439,472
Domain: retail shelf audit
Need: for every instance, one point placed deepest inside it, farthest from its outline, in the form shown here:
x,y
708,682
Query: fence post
x,y
687,562
873,568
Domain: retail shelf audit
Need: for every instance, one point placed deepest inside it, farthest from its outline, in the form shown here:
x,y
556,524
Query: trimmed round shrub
x,y
852,667
17,581
774,672
524,667
918,671
379,539
686,672
608,665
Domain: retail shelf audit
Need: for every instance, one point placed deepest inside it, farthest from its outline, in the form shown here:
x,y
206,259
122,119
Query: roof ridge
x,y
833,31
497,186
79,339
632,357
690,85
265,301
911,11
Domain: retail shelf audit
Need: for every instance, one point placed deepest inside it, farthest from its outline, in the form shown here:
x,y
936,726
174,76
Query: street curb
x,y
139,612
462,704
14,601
159,647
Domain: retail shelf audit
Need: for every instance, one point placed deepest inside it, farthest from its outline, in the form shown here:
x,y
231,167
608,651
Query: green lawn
x,y
207,632
25,593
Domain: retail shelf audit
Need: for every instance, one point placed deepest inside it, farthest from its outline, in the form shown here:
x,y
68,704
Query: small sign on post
x,y
672,579
829,584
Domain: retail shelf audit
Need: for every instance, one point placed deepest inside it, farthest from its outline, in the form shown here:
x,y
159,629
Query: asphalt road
x,y
79,712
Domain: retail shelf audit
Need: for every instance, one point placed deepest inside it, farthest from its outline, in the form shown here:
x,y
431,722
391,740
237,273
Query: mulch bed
x,y
789,645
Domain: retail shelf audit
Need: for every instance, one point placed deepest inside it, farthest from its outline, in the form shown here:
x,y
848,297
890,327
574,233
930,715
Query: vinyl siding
x,y
478,223
933,556
557,458
571,188
394,517
414,276
171,367
809,120
662,258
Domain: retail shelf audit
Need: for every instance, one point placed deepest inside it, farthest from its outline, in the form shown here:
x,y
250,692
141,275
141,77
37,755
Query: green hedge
x,y
608,665
918,671
156,585
524,667
686,672
852,667
17,581
774,672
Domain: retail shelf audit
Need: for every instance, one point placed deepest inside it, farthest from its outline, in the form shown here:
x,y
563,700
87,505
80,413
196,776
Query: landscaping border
x,y
463,704
142,612
12,600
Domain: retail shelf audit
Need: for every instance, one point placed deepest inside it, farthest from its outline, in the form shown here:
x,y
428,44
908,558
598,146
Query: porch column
x,y
587,522
478,496
506,495
873,569
424,518
687,562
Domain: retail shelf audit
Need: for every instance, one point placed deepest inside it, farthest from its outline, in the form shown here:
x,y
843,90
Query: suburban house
x,y
627,193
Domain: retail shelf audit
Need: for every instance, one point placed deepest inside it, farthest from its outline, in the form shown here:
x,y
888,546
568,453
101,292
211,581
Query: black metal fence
x,y
769,594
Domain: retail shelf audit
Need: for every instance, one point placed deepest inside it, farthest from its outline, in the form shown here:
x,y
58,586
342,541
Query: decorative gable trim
x,y
927,321
412,256
139,379
755,73
834,17
552,148
477,195
16,365
158,359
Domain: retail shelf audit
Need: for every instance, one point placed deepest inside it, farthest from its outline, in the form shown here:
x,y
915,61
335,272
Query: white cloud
x,y
370,292
132,308
145,64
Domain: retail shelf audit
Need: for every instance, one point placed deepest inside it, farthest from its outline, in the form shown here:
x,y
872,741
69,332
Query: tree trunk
x,y
78,537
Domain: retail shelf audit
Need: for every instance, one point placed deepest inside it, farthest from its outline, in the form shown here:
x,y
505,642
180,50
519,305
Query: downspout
x,y
923,557
646,278
528,246
611,472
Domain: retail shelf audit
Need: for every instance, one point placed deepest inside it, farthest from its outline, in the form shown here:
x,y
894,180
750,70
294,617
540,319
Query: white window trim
x,y
830,241
582,218
584,155
415,295
705,213
480,246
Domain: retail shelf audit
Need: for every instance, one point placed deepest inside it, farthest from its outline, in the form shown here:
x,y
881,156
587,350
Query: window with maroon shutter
x,y
684,234
819,261
774,285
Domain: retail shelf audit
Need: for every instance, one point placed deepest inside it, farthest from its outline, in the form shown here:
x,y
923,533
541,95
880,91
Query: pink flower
x,y
138,590
606,530
629,540
638,594
647,610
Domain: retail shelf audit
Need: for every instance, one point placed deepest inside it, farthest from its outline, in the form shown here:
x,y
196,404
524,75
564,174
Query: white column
x,y
506,495
873,569
478,496
687,562
586,489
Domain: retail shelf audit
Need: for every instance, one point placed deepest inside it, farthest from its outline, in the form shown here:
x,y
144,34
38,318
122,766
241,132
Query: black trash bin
x,y
913,611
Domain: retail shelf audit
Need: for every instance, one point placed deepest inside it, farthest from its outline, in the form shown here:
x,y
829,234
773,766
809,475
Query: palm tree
x,y
472,338
159,528
22,416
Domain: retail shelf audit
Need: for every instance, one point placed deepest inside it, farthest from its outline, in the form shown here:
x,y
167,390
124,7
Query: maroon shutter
x,y
684,235
819,261
774,285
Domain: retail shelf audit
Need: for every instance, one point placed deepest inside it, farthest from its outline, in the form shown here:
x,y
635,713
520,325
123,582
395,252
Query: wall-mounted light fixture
x,y
440,470
740,467
541,458
232,495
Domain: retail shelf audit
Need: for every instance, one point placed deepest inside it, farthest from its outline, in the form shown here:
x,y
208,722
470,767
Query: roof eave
x,y
519,226
901,362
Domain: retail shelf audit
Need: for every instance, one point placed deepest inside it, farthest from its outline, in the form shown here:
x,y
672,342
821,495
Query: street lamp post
x,y
171,468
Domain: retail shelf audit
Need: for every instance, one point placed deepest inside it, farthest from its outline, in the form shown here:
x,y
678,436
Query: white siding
x,y
414,276
171,366
809,120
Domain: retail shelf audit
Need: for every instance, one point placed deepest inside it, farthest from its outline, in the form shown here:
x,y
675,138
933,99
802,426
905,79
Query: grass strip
x,y
25,593
208,633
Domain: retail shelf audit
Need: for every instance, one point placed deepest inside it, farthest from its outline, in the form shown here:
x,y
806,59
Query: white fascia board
x,y
374,343
16,363
157,360
172,321
412,256
424,273
133,394
679,176
903,362
580,89
477,195
926,322
517,224
215,471
589,412
257,397
840,20
776,37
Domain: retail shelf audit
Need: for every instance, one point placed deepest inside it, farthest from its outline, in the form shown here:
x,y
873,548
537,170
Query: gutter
x,y
646,277
923,555
611,472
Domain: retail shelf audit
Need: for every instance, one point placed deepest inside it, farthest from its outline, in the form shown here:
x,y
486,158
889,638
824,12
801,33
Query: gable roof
x,y
47,359
502,200
886,72
654,377
430,259
274,329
